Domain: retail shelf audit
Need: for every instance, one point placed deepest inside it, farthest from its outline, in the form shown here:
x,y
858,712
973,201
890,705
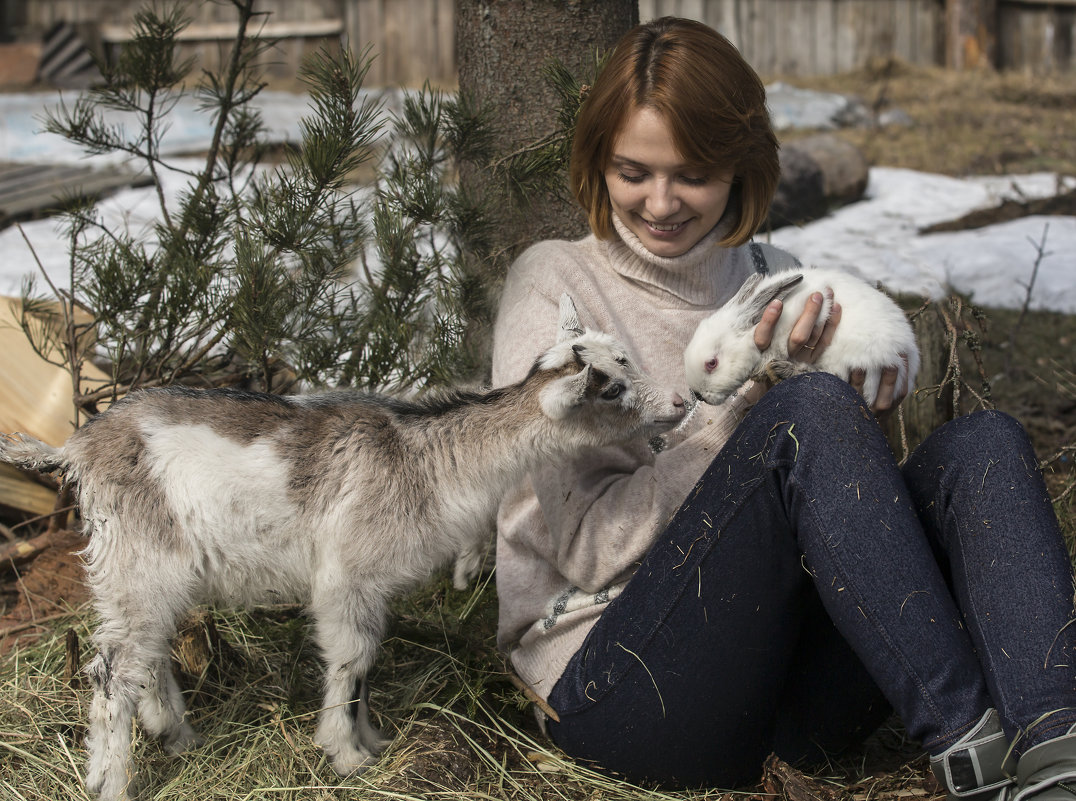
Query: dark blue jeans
x,y
808,583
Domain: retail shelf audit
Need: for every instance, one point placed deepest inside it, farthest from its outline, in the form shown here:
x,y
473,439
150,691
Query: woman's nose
x,y
662,201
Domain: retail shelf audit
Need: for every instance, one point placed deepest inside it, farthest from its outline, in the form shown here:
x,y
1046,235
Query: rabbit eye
x,y
711,364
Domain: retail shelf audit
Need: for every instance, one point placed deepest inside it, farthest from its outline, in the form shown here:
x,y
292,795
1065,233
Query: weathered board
x,y
818,37
414,40
1037,36
30,190
35,397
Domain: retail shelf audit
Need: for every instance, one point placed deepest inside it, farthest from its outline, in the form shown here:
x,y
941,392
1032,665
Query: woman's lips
x,y
664,229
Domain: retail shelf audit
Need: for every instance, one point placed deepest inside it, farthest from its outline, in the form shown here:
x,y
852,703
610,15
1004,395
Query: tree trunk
x,y
502,47
933,403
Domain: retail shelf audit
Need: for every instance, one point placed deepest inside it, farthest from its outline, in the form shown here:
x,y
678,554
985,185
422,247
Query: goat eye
x,y
613,391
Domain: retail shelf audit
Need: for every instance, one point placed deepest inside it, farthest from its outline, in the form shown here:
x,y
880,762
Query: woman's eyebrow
x,y
623,161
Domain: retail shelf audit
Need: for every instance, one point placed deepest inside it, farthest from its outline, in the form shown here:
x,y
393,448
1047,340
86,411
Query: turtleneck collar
x,y
692,276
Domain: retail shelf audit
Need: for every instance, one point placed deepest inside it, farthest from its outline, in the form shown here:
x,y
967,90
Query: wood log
x,y
21,551
931,403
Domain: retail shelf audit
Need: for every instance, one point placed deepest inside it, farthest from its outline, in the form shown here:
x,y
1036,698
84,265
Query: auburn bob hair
x,y
713,101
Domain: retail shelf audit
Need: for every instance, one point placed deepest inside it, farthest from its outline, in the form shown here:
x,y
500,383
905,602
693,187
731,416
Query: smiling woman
x,y
773,580
666,202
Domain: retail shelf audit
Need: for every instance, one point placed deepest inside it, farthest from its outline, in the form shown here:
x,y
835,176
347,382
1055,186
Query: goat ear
x,y
561,396
570,328
758,304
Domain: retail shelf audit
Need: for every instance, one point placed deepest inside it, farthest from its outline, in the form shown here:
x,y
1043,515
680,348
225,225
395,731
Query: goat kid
x,y
873,334
339,501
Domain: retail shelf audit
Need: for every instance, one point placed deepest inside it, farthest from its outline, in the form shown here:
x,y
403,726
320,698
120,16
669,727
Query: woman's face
x,y
667,204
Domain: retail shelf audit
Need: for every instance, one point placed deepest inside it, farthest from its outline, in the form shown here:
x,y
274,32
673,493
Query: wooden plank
x,y
366,31
823,29
39,188
1037,2
721,16
21,492
445,38
930,23
692,9
905,45
800,51
213,31
758,39
845,34
35,399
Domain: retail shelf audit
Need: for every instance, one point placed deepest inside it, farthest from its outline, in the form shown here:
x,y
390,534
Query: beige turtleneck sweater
x,y
570,536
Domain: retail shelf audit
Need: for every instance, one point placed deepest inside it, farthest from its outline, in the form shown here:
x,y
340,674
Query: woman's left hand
x,y
888,397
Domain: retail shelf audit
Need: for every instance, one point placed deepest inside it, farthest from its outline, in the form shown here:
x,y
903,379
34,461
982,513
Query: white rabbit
x,y
873,333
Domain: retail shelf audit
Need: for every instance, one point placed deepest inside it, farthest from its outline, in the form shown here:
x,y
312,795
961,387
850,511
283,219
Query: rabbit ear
x,y
758,303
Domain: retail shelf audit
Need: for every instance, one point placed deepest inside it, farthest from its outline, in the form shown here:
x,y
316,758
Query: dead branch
x,y
22,551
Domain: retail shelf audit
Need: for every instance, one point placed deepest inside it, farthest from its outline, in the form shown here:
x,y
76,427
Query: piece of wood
x,y
218,31
19,491
27,190
931,404
21,551
36,400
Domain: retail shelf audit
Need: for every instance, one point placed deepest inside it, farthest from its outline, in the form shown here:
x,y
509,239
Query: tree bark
x,y
502,47
933,404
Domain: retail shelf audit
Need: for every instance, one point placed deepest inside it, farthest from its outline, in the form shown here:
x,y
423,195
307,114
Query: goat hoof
x,y
99,786
187,739
352,761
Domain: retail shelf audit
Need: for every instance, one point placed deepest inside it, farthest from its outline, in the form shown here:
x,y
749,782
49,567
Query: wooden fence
x,y
818,37
414,40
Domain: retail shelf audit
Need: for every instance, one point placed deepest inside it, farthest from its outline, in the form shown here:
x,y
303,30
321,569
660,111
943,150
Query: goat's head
x,y
722,354
592,385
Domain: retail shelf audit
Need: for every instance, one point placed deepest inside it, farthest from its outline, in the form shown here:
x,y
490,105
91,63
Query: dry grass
x,y
973,123
460,729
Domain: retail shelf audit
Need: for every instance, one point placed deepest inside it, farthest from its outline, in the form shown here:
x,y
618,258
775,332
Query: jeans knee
x,y
985,430
813,392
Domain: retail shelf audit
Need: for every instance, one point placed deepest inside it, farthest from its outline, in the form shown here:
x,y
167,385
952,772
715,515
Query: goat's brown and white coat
x,y
339,501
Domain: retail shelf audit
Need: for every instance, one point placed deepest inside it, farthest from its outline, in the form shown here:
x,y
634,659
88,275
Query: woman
x,y
774,582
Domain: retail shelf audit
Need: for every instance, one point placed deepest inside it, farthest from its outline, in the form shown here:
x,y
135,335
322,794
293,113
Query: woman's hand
x,y
808,338
888,398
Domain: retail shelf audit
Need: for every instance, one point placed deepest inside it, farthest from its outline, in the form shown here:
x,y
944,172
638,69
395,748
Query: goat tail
x,y
26,452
